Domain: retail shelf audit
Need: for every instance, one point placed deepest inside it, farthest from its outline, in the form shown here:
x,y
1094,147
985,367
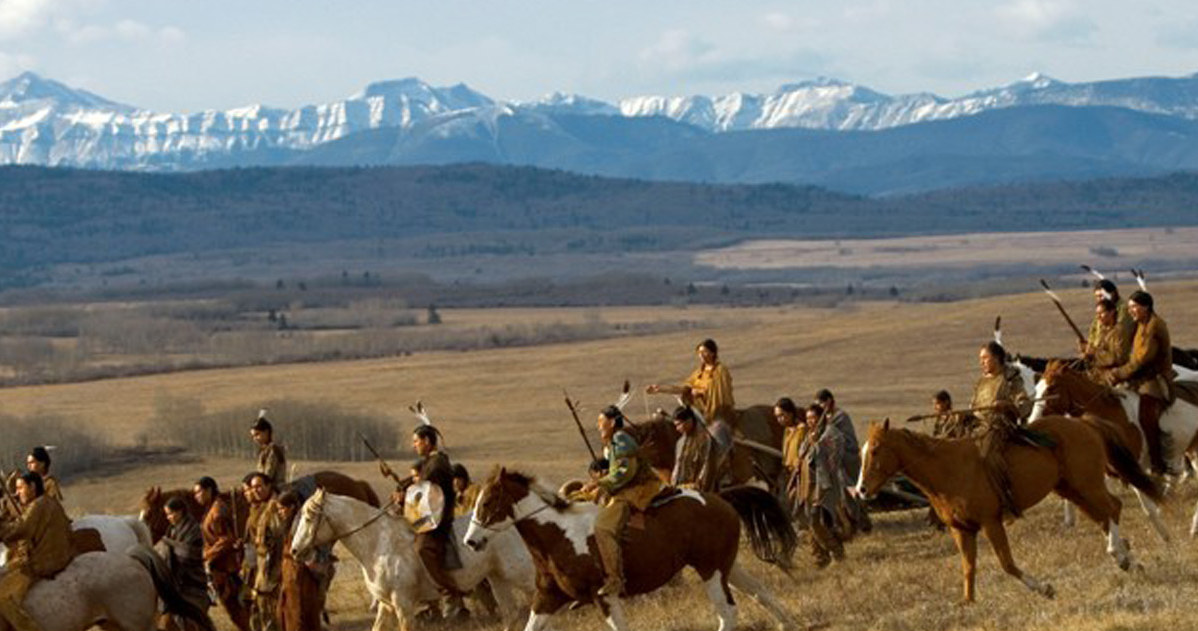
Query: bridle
x,y
474,521
320,519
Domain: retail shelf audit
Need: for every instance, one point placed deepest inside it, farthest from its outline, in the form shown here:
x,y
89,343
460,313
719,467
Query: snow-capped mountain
x,y
836,105
47,123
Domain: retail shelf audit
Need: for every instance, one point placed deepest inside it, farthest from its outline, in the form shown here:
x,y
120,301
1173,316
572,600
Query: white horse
x,y
117,532
394,574
118,589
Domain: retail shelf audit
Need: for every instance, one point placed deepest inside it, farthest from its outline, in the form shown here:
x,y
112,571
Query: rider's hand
x,y
652,389
385,470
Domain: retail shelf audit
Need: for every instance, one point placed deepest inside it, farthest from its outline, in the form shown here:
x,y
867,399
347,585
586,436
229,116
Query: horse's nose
x,y
474,544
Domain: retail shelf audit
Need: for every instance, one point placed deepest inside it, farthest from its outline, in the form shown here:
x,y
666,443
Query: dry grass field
x,y
1116,250
505,406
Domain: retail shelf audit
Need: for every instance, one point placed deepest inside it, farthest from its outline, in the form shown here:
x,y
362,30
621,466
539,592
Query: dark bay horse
x,y
299,597
756,423
952,475
699,530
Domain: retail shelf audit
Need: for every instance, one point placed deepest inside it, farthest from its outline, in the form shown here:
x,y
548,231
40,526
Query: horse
x,y
155,499
1065,390
117,532
700,530
394,574
658,437
952,474
117,590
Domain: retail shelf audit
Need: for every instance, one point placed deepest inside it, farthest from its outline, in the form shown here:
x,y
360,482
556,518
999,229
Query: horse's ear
x,y
886,424
502,471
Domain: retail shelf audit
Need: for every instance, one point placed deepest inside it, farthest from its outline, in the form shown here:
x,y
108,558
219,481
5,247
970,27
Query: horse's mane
x,y
1106,394
922,442
519,477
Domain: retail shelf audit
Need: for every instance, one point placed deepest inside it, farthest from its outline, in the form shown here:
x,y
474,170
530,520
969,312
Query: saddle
x,y
86,540
1186,391
665,496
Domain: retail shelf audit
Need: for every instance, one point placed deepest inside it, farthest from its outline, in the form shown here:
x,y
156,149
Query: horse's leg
x,y
613,611
997,535
755,589
1194,522
716,586
1117,547
505,601
1154,516
967,543
1070,513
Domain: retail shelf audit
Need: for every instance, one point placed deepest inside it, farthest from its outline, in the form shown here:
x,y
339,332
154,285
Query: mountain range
x,y
824,132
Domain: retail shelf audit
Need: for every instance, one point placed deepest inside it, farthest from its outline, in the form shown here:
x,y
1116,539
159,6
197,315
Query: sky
x,y
187,56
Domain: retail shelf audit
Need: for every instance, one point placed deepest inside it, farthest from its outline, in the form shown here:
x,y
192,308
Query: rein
x,y
515,520
320,518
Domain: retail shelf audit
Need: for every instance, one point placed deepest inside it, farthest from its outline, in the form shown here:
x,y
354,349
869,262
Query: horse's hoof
x,y
1049,592
1125,564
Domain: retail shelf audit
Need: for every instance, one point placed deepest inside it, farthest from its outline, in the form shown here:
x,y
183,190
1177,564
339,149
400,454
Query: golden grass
x,y
879,358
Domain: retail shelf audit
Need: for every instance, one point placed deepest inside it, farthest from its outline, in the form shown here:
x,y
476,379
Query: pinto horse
x,y
1067,391
700,530
953,476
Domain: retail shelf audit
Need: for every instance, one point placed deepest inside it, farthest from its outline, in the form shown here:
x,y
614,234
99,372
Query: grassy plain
x,y
505,406
1114,249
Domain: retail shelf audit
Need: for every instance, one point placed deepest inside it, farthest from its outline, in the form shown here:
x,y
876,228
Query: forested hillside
x,y
56,215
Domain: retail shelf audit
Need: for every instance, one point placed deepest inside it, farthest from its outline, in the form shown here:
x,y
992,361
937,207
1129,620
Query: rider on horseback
x,y
40,541
1110,341
1106,290
1149,371
1000,401
629,483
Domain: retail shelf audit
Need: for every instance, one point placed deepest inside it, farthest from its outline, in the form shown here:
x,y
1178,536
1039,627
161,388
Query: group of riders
x,y
223,559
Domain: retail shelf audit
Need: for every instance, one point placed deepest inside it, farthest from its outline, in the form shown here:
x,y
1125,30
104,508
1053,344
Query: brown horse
x,y
155,498
1064,390
299,597
756,423
952,475
699,530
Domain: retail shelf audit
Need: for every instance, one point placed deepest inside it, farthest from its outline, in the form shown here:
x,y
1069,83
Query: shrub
x,y
75,451
308,430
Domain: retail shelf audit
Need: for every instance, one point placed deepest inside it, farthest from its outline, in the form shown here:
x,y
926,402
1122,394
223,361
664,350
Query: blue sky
x,y
192,55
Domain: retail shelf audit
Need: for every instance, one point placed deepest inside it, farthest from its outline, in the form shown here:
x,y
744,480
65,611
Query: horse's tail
x,y
141,531
770,531
1125,464
372,498
1130,470
172,600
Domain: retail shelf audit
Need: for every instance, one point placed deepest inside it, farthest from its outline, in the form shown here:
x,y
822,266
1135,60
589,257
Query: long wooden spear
x,y
1056,300
578,422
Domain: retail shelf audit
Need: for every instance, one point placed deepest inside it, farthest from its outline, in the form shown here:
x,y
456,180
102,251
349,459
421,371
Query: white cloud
x,y
131,31
18,17
681,56
1046,20
786,23
677,49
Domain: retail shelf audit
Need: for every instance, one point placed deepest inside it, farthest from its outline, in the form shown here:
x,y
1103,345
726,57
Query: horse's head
x,y
313,529
495,508
879,462
1062,390
152,504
